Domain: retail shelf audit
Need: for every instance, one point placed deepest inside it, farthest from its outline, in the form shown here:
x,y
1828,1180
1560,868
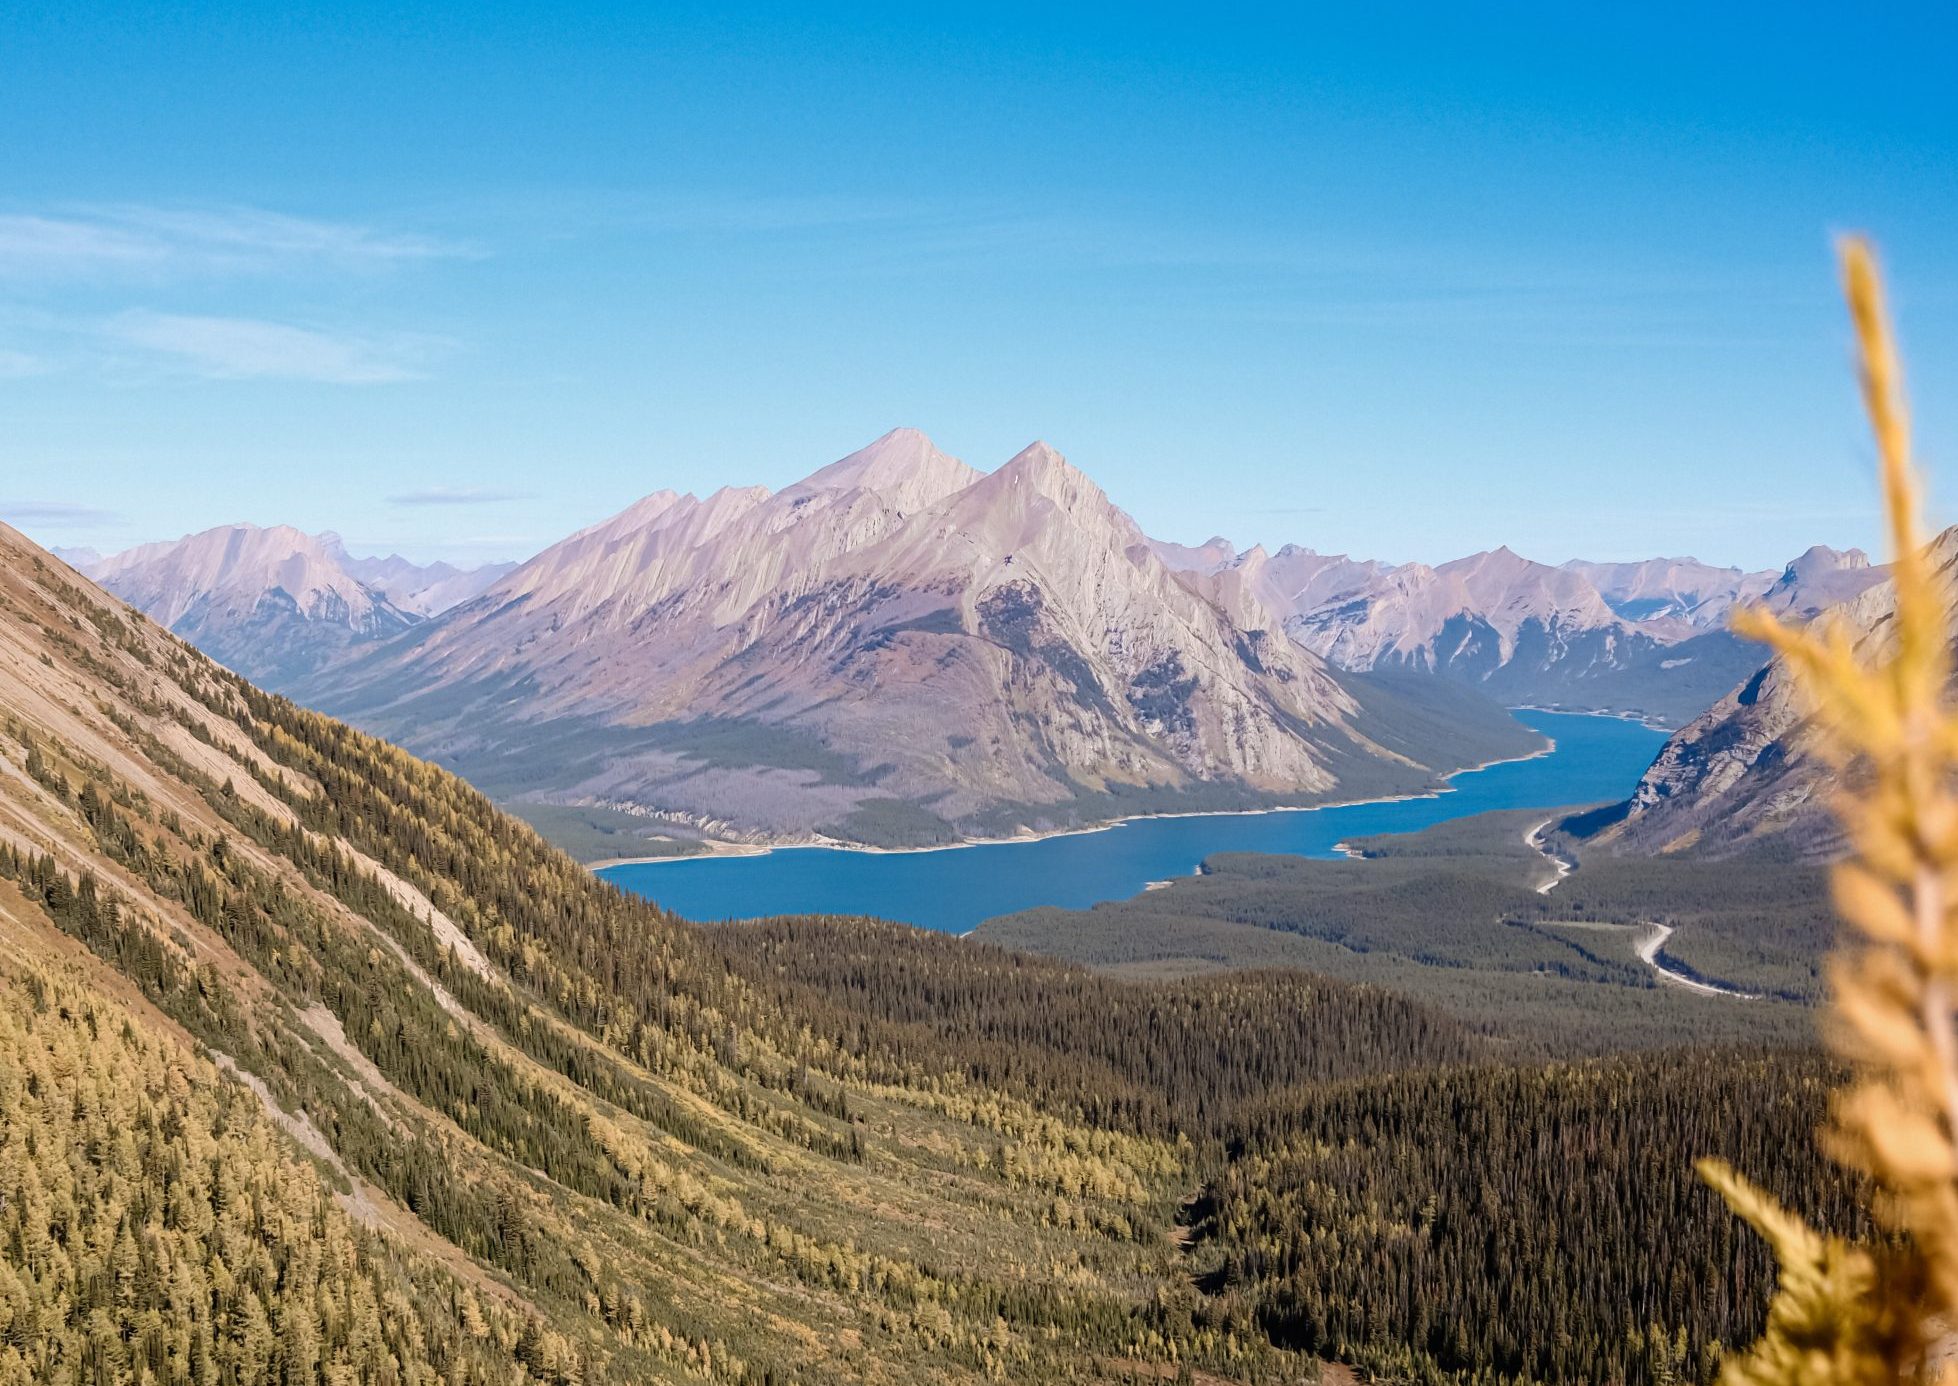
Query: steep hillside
x,y
161,1225
897,649
1742,775
559,1130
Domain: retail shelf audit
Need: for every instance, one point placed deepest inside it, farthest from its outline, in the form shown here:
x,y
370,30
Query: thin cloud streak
x,y
223,348
58,514
125,240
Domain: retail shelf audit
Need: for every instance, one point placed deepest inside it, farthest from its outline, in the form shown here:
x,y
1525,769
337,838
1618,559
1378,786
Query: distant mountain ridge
x,y
1647,638
276,603
426,589
898,649
1682,589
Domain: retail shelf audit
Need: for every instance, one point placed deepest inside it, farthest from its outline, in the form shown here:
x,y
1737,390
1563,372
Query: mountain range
x,y
1644,638
903,650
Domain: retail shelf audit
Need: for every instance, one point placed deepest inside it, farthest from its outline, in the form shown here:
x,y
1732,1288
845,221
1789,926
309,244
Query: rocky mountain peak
x,y
1502,563
1041,468
1819,579
1820,558
639,515
904,467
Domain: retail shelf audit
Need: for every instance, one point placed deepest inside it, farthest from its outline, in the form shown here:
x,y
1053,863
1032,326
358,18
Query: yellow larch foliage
x,y
1883,717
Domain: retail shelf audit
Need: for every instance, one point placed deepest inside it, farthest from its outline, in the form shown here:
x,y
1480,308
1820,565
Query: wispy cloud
x,y
457,495
55,514
127,240
15,365
223,348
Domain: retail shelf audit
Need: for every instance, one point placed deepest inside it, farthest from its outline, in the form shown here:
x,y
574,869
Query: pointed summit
x,y
904,467
1040,456
1040,468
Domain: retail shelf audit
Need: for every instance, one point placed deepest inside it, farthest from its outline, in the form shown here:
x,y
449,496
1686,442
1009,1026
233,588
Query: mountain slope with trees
x,y
558,1135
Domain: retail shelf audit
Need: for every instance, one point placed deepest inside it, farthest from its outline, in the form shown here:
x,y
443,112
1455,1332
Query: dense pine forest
x,y
1526,1223
560,1135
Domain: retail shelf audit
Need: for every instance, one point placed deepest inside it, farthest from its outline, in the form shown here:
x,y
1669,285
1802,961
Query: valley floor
x,y
1499,920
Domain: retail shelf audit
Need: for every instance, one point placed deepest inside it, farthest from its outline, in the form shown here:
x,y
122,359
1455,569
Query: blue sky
x,y
1399,281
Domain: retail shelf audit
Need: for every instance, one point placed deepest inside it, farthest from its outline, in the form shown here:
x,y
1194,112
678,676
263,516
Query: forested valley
x,y
319,1068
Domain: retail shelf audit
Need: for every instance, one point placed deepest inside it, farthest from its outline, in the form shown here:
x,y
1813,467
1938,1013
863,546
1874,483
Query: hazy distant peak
x,y
246,568
1820,558
224,548
81,559
1820,578
1212,554
724,498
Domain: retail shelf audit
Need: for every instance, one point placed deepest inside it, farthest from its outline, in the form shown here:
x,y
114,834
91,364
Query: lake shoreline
x,y
1575,759
723,850
1644,719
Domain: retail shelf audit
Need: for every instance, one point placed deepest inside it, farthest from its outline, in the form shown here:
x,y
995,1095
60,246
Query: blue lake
x,y
956,888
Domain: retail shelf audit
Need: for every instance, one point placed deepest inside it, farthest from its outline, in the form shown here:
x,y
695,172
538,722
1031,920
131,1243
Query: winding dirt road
x,y
1649,947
